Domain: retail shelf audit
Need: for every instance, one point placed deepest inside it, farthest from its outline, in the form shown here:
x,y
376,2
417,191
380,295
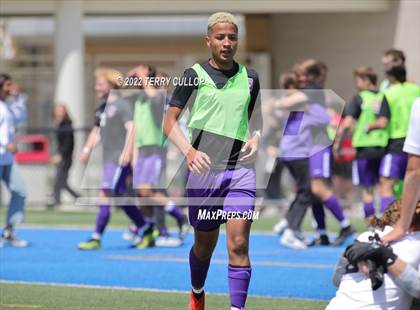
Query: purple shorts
x,y
216,192
148,170
365,171
320,164
393,166
114,178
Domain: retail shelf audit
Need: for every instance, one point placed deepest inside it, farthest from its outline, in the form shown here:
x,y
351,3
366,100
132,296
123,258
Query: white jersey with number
x,y
355,291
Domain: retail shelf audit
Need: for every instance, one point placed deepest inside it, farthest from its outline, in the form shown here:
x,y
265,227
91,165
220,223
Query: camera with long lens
x,y
376,273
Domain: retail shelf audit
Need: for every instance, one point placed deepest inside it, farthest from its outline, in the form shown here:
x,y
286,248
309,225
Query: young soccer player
x,y
391,58
310,76
220,156
150,161
361,111
293,152
395,113
114,126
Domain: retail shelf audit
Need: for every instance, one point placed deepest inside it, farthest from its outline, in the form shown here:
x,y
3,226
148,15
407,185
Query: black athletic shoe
x,y
321,240
345,233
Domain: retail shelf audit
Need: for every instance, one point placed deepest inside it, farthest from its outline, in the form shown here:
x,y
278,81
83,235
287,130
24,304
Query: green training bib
x,y
370,104
222,111
147,133
400,98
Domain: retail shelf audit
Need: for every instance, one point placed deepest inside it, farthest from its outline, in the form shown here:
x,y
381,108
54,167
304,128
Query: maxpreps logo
x,y
220,214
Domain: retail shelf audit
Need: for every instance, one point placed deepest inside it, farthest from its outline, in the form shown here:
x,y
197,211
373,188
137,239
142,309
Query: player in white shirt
x,y
401,262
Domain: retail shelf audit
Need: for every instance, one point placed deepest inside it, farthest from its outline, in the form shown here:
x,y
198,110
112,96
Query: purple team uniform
x,y
394,166
226,179
148,169
235,187
365,171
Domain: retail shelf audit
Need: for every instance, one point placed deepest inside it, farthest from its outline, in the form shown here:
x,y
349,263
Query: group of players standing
x,y
133,146
221,154
376,120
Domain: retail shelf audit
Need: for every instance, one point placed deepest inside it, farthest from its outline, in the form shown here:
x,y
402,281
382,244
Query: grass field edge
x,y
140,289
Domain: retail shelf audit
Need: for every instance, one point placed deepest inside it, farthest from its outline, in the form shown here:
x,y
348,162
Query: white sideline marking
x,y
21,306
119,229
174,259
138,289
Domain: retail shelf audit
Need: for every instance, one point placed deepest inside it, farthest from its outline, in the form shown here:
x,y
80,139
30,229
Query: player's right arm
x,y
294,100
383,116
93,139
198,162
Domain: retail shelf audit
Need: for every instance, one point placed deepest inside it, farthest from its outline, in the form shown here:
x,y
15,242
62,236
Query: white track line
x,y
172,259
122,288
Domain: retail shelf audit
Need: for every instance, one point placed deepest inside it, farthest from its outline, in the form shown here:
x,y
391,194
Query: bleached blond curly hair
x,y
221,17
113,76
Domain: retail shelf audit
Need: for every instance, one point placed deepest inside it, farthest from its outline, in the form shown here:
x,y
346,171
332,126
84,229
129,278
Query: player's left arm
x,y
250,148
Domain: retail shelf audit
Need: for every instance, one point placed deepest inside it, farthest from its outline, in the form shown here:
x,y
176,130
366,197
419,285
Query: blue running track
x,y
277,271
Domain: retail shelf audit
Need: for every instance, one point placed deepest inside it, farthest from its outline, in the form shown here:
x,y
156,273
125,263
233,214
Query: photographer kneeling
x,y
373,276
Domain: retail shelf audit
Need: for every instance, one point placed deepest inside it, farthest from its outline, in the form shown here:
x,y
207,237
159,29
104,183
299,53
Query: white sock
x,y
198,290
96,236
322,231
170,206
344,223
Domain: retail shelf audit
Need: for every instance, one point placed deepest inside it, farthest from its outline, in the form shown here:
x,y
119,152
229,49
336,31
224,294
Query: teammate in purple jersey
x,y
113,126
220,156
306,146
311,78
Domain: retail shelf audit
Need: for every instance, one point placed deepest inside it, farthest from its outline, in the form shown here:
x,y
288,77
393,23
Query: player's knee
x,y
318,191
386,186
238,246
203,252
304,198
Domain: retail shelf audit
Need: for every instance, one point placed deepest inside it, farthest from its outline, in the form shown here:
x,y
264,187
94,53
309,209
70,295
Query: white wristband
x,y
256,133
86,149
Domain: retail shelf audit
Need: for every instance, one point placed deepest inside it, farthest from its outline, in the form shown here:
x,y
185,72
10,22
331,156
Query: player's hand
x,y
11,147
394,235
198,162
272,151
56,159
250,150
84,156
